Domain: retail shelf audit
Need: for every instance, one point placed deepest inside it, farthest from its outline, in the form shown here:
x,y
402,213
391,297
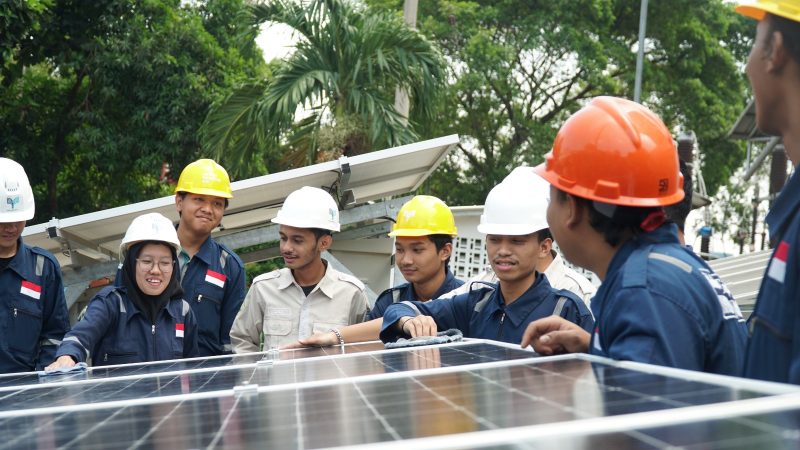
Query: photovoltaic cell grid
x,y
322,398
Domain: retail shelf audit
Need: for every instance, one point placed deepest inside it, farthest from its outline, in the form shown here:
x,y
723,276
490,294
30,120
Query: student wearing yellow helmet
x,y
773,352
212,275
423,234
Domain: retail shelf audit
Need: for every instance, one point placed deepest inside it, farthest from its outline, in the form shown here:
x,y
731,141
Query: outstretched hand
x,y
315,340
553,335
62,361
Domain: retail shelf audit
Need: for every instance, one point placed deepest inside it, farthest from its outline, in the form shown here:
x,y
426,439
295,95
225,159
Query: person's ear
x,y
545,246
778,55
325,242
575,211
446,251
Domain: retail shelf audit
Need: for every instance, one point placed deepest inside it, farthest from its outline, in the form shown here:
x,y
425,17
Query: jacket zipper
x,y
502,318
153,329
199,298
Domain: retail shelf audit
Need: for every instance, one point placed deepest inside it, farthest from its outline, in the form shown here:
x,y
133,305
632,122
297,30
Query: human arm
x,y
232,302
554,334
246,329
86,334
442,314
55,318
360,332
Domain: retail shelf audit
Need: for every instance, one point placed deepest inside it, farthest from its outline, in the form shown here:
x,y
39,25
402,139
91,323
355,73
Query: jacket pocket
x,y
25,326
119,357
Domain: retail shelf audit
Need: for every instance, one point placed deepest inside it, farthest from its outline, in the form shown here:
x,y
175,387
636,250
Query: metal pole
x,y
401,104
637,89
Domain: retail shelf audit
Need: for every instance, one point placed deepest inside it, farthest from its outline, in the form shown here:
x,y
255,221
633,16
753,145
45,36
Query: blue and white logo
x,y
12,202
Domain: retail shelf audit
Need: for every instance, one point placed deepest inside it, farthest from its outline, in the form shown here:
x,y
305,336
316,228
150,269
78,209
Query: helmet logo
x,y
12,186
409,214
209,178
663,185
12,202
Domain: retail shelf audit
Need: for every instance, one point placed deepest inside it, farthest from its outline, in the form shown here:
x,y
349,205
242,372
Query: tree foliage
x,y
113,89
344,70
518,69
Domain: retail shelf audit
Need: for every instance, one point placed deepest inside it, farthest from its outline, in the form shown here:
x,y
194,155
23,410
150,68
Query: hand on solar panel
x,y
418,326
62,361
554,335
315,340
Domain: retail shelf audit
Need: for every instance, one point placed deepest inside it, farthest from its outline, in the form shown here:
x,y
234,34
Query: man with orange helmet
x,y
212,275
612,169
773,68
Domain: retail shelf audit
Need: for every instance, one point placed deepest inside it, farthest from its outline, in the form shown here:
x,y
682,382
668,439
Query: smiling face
x,y
418,259
154,267
300,247
200,214
513,258
9,234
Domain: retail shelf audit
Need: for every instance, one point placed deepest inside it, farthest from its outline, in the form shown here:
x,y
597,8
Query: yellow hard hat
x,y
424,215
788,9
205,177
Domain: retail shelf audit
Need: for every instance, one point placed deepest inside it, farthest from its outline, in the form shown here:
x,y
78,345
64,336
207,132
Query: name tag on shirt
x,y
215,278
179,330
777,267
279,312
31,290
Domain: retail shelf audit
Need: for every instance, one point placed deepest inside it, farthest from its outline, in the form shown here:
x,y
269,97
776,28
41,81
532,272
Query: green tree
x,y
343,73
518,69
112,90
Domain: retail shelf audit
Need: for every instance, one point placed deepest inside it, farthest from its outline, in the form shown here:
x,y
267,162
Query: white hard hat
x,y
309,207
16,195
517,206
149,227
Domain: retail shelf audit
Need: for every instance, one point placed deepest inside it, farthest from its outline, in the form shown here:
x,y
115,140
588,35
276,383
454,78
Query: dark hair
x,y
319,232
182,194
624,221
439,241
678,212
790,31
543,234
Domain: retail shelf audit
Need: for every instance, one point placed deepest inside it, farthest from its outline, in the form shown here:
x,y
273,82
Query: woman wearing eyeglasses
x,y
143,319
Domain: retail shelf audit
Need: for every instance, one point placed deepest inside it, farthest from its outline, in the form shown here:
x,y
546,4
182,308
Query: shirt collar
x,y
555,271
207,251
665,234
326,285
521,309
784,208
21,262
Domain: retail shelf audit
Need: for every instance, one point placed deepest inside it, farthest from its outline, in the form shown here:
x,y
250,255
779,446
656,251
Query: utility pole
x,y
637,89
401,104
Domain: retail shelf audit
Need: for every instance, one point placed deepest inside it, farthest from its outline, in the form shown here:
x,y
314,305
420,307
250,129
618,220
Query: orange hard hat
x,y
615,151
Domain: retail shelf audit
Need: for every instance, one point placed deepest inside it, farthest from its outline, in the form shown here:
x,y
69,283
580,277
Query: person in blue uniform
x,y
423,234
502,311
612,169
143,319
212,275
33,311
773,352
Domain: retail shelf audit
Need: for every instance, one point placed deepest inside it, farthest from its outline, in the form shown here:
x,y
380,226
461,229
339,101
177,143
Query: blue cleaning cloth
x,y
77,368
442,337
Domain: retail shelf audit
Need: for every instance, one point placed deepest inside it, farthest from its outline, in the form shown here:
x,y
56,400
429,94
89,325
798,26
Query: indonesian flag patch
x,y
215,278
777,267
596,340
179,330
31,289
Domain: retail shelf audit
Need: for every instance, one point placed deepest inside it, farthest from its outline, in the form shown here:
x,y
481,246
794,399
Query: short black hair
x,y
319,232
439,241
679,211
790,31
625,220
543,234
182,194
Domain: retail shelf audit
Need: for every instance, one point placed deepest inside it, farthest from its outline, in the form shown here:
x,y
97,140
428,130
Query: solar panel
x,y
473,394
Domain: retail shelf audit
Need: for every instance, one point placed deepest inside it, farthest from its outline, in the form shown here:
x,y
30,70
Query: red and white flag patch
x,y
179,330
31,289
777,267
596,340
215,278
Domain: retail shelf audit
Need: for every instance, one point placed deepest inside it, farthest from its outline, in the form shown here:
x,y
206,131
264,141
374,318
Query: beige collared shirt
x,y
558,275
276,306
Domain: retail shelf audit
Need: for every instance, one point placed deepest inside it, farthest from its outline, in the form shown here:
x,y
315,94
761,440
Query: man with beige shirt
x,y
308,295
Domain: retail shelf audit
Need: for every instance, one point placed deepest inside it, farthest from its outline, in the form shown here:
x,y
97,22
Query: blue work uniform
x,y
773,352
662,304
114,331
483,313
405,292
213,283
33,312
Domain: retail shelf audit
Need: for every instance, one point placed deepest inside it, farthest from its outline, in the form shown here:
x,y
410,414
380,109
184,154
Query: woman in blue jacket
x,y
144,319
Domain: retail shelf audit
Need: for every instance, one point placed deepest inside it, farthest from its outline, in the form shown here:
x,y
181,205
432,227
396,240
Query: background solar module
x,y
472,394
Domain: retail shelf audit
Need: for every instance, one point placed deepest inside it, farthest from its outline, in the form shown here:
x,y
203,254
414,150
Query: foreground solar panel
x,y
475,394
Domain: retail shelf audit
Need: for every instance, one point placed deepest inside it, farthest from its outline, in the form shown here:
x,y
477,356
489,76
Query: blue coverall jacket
x,y
114,331
482,312
214,286
33,312
661,304
405,292
773,352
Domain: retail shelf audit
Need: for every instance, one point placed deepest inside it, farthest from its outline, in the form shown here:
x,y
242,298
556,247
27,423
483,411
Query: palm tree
x,y
343,74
